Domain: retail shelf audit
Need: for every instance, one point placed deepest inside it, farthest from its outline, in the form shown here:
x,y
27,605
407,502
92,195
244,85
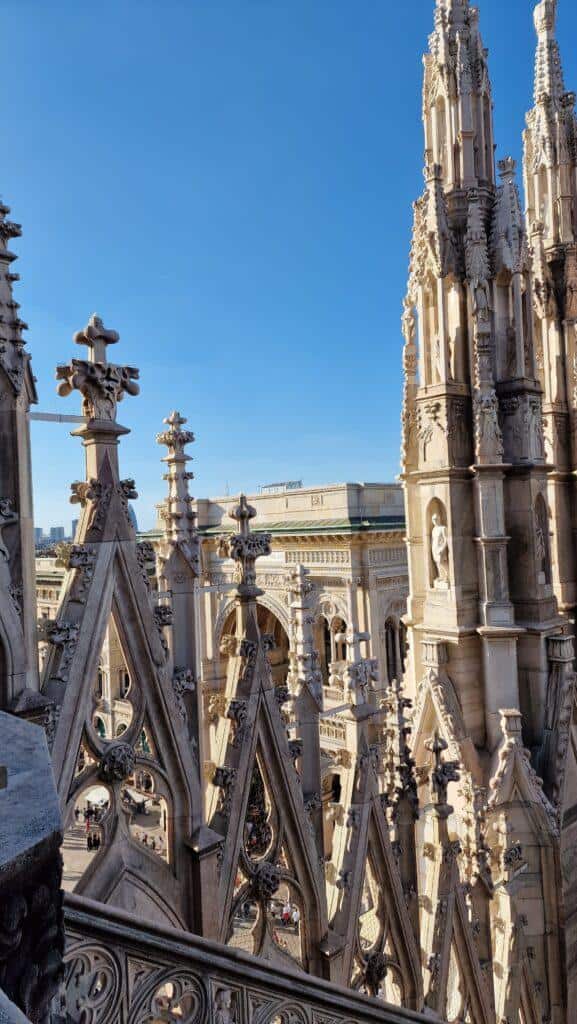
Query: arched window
x,y
125,685
403,646
339,629
327,643
144,744
100,727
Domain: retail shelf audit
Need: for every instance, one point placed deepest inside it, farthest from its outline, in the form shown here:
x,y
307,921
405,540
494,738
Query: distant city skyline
x,y
253,255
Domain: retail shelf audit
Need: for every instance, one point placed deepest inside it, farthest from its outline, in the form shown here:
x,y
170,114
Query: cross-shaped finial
x,y
96,337
242,514
177,512
175,438
245,547
175,420
101,384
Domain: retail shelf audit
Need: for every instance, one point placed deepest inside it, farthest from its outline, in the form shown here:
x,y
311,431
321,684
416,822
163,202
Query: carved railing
x,y
119,971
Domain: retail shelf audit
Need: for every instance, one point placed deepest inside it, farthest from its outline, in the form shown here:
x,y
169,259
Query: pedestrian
x,y
296,916
145,840
89,841
153,843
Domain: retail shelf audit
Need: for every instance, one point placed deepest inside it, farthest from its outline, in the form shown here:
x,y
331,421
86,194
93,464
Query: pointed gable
x,y
269,861
124,764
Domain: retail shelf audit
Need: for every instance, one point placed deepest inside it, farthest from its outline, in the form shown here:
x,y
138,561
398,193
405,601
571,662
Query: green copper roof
x,y
355,524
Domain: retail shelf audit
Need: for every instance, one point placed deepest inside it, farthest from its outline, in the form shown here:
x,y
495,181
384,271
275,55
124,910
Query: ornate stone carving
x,y
117,762
430,424
183,682
264,881
238,713
375,972
98,494
225,778
177,511
101,384
162,615
488,436
245,547
440,551
224,1010
295,750
63,635
362,676
92,982
8,517
144,555
442,774
82,558
127,492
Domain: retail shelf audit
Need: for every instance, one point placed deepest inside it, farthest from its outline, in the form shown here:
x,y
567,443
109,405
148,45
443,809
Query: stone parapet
x,y
185,976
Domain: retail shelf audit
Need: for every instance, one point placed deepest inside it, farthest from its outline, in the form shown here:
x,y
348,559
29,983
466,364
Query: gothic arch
x,y
12,649
330,606
265,600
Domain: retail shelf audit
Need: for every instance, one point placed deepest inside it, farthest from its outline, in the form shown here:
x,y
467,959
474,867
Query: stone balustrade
x,y
121,972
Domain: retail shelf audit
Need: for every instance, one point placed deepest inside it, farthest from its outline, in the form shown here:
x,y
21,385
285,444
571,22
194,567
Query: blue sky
x,y
229,184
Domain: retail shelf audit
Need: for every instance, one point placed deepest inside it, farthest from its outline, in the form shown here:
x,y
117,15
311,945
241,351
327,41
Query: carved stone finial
x,y
96,337
507,168
101,384
432,172
177,513
545,16
443,773
549,81
245,547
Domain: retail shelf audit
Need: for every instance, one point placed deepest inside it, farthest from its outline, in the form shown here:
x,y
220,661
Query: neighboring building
x,y
38,535
56,533
351,539
49,577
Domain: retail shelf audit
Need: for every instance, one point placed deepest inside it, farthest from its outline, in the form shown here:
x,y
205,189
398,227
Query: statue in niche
x,y
534,429
224,1011
409,322
481,304
488,432
440,552
542,551
540,548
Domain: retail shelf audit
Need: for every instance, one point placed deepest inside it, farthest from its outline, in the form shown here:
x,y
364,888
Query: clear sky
x,y
228,183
